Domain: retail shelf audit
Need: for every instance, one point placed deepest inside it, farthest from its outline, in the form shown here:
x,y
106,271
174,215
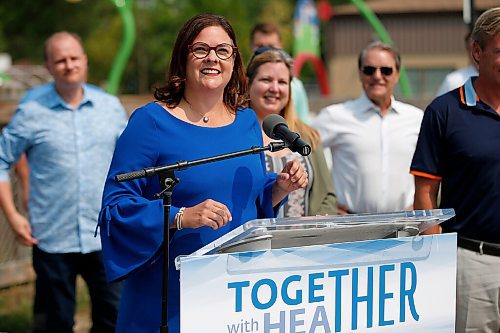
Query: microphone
x,y
275,127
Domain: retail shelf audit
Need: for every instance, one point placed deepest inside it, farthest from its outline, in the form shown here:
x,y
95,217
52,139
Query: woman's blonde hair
x,y
269,54
487,26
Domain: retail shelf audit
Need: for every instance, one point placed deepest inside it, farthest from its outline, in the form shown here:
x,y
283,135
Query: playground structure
x,y
125,10
307,38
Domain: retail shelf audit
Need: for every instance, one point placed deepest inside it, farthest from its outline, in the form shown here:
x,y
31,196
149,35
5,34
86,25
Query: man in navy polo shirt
x,y
459,149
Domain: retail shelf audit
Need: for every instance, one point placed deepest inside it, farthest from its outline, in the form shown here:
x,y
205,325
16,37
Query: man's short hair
x,y
266,28
487,26
380,46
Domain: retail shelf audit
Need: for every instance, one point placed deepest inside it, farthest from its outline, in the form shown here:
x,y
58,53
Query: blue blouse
x,y
131,219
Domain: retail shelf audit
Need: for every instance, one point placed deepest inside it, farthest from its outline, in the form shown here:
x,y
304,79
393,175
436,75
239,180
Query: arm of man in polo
x,y
426,193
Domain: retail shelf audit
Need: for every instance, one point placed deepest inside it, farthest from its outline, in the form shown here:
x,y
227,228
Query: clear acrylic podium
x,y
266,234
350,273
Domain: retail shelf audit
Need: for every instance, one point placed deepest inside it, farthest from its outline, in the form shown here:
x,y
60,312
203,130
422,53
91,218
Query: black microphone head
x,y
302,147
269,124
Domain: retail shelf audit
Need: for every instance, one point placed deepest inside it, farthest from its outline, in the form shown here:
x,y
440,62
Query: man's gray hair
x,y
380,46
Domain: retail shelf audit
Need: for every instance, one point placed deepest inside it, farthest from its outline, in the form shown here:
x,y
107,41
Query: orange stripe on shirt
x,y
462,99
462,94
425,175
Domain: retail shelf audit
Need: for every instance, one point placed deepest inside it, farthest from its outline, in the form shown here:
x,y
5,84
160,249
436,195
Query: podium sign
x,y
404,284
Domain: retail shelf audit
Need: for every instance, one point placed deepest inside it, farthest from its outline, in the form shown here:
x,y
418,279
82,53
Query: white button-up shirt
x,y
371,154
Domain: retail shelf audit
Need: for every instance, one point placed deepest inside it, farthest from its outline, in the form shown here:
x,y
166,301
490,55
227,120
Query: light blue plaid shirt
x,y
69,152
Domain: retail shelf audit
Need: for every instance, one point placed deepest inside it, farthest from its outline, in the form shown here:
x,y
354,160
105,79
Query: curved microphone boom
x,y
275,127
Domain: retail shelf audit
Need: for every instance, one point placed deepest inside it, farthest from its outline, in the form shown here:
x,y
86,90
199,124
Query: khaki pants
x,y
478,293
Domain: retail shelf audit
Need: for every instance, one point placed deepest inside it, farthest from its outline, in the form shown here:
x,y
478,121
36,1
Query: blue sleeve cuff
x,y
266,209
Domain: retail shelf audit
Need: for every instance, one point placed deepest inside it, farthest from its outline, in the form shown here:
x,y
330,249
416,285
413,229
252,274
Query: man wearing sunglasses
x,y
267,34
372,138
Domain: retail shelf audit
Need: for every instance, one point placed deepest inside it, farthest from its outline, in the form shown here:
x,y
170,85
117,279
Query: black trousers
x,y
55,289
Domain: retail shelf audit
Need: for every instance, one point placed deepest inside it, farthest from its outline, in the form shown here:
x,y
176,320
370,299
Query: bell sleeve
x,y
131,219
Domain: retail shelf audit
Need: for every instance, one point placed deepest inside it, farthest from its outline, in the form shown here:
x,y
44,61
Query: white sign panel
x,y
391,285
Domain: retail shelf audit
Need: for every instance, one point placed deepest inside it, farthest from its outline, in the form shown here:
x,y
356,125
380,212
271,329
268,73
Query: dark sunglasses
x,y
370,70
202,50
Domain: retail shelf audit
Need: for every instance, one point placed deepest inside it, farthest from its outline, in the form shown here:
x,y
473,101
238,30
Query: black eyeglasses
x,y
370,70
201,50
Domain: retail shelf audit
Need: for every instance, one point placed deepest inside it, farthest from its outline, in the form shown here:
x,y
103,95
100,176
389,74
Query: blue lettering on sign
x,y
338,295
316,288
255,291
238,286
284,291
295,322
320,320
280,325
383,296
313,287
407,293
244,326
356,298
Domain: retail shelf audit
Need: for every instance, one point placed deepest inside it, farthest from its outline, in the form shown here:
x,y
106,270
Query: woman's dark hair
x,y
171,93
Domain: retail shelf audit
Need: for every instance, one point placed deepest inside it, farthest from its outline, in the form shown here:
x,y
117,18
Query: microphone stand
x,y
167,179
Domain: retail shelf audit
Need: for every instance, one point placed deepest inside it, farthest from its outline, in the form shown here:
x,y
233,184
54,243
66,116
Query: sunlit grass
x,y
16,306
16,309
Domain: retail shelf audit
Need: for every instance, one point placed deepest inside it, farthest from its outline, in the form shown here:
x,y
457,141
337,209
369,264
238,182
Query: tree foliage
x,y
25,24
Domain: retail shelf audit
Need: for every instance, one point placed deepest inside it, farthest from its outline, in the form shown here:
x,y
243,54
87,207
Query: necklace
x,y
205,118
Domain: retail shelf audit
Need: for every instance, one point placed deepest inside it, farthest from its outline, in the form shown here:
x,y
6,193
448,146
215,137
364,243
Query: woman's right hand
x,y
207,213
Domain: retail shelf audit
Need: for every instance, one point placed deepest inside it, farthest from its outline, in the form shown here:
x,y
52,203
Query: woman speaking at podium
x,y
197,114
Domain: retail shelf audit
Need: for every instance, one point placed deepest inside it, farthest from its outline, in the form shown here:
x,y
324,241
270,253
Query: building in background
x,y
428,33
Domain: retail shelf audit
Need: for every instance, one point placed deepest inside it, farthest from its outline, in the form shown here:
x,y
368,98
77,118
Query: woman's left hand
x,y
292,177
